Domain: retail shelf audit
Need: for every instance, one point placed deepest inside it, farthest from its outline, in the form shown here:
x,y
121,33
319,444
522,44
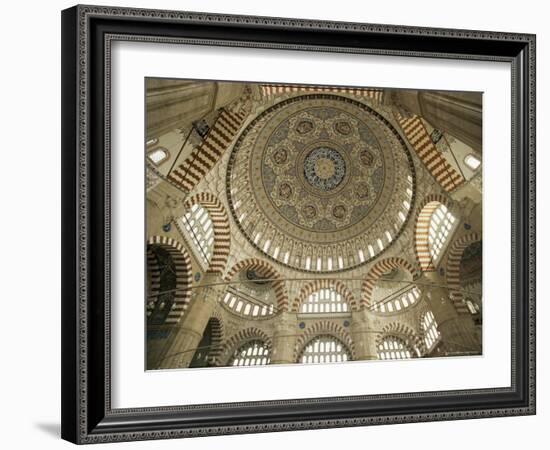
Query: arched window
x,y
472,161
441,224
429,328
158,156
402,215
395,303
237,302
253,353
472,306
325,300
325,349
199,226
393,347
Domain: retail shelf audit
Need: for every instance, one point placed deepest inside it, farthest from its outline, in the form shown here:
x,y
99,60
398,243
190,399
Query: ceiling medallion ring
x,y
323,168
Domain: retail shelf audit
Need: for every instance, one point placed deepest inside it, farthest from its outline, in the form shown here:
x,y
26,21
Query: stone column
x,y
363,335
457,113
284,339
188,334
458,331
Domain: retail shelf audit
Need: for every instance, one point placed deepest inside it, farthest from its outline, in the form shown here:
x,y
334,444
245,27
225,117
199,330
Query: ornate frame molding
x,y
87,34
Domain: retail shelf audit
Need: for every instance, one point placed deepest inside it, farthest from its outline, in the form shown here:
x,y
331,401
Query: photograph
x,y
310,224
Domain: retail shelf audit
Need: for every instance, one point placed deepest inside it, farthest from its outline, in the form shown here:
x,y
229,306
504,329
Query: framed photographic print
x,y
282,224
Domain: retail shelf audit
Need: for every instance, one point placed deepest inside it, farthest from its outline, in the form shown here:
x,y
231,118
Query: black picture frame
x,y
87,33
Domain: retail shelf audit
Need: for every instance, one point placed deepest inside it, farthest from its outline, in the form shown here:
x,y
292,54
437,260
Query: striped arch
x,y
377,271
315,285
422,229
220,222
417,135
205,156
269,90
182,262
403,332
453,270
324,327
217,338
241,338
266,270
153,270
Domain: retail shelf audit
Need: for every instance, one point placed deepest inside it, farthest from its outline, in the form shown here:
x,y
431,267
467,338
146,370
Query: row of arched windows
x,y
325,300
321,349
245,307
254,353
329,349
325,349
399,303
393,347
429,329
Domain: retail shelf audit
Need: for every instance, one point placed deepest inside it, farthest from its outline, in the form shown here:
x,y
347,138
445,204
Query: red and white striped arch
x,y
323,328
374,274
182,263
220,222
240,338
453,270
417,135
315,285
404,333
205,156
422,229
266,270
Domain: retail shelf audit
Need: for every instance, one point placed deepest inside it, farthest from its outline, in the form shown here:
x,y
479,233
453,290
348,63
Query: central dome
x,y
318,182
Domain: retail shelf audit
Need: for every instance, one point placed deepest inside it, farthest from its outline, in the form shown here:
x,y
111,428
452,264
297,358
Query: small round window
x,y
158,156
472,161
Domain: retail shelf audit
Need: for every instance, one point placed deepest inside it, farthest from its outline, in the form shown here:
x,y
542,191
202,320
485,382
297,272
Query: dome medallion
x,y
320,183
324,168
